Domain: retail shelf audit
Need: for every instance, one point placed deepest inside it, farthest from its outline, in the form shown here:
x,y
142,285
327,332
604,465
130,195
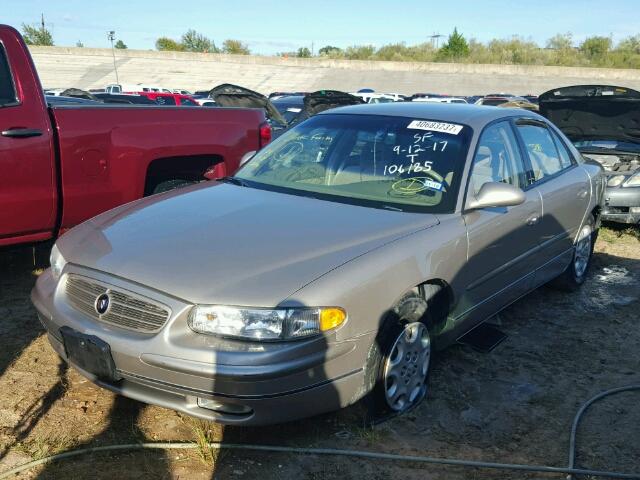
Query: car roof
x,y
471,115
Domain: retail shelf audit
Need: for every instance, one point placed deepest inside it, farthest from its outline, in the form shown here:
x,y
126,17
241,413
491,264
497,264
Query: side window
x,y
160,100
7,92
542,151
565,156
497,158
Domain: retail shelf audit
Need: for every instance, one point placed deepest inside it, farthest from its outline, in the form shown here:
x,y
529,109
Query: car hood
x,y
594,112
228,95
322,100
222,243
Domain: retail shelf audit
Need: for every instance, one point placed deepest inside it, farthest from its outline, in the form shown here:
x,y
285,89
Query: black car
x,y
602,122
289,106
122,98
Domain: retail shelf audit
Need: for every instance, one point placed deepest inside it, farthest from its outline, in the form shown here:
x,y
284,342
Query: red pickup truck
x,y
60,165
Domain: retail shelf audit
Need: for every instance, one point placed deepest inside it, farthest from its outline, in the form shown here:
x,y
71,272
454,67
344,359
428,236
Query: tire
x,y
168,185
398,365
576,273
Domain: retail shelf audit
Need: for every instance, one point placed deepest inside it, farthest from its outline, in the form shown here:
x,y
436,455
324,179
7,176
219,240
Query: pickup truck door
x,y
28,196
502,241
564,188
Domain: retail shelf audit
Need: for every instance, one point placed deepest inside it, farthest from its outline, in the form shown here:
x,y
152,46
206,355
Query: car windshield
x,y
379,161
607,145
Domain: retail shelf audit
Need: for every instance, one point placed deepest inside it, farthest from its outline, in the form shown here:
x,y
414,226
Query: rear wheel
x,y
576,273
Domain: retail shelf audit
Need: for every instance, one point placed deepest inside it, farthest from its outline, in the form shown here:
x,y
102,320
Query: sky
x,y
270,27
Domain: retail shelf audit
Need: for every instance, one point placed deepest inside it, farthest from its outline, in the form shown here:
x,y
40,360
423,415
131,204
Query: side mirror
x,y
246,157
494,194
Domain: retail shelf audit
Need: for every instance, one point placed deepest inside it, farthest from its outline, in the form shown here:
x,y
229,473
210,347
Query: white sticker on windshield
x,y
450,128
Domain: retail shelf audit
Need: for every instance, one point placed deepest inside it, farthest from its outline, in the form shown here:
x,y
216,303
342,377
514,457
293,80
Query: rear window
x,y
7,90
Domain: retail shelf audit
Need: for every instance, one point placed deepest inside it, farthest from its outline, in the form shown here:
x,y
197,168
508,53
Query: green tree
x,y
303,52
235,47
360,52
120,45
193,41
79,44
630,44
329,50
456,46
168,44
561,41
34,35
596,47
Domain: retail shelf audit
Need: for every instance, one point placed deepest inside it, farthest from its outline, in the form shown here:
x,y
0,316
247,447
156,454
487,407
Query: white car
x,y
370,97
137,88
440,100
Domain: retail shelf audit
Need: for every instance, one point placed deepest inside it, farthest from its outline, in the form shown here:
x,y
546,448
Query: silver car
x,y
329,268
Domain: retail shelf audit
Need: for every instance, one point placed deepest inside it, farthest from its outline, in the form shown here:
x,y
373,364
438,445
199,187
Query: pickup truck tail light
x,y
265,134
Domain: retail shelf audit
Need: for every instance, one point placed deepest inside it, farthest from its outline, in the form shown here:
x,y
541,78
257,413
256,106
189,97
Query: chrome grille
x,y
126,310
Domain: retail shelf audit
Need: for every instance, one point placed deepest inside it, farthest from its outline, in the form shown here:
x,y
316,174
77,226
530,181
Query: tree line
x,y
595,51
561,49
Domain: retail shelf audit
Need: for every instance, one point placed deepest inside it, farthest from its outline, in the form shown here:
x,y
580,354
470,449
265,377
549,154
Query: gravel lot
x,y
515,404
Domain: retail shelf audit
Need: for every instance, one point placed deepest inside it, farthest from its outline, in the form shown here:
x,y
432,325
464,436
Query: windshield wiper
x,y
233,180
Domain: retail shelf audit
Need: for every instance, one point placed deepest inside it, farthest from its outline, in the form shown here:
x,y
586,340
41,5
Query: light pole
x,y
111,35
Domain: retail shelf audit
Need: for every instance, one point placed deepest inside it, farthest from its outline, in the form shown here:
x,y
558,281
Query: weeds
x,y
43,446
204,435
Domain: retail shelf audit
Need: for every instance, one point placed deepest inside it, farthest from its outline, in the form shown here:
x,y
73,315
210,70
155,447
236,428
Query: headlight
x,y
262,323
57,262
615,180
634,180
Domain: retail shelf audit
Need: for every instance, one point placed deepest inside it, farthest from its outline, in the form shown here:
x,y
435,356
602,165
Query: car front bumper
x,y
622,204
244,383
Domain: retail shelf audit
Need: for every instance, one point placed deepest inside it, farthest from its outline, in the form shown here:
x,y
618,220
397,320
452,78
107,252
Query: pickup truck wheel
x,y
171,185
576,273
399,360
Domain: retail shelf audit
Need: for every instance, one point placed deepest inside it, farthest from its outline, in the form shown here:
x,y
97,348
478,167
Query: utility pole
x,y
435,38
111,35
312,49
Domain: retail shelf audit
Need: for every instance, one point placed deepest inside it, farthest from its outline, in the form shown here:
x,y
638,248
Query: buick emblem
x,y
102,304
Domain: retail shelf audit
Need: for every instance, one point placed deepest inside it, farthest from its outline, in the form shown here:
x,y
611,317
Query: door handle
x,y
533,220
21,132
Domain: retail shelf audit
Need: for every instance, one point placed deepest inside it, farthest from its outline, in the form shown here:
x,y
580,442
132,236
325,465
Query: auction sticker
x,y
450,128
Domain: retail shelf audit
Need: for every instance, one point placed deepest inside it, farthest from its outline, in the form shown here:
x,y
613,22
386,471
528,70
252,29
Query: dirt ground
x,y
515,404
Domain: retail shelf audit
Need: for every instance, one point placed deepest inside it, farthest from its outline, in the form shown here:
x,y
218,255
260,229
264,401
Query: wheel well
x,y
439,297
190,168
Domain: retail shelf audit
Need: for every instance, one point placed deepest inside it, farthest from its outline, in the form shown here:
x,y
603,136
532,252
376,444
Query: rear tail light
x,y
265,134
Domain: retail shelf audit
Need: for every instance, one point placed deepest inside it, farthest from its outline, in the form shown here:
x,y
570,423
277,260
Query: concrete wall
x,y
93,68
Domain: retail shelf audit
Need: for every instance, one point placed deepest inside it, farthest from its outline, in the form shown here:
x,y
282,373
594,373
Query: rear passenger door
x,y
503,240
564,189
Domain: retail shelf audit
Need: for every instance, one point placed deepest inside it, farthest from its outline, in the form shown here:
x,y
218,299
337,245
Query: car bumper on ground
x,y
622,204
231,382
